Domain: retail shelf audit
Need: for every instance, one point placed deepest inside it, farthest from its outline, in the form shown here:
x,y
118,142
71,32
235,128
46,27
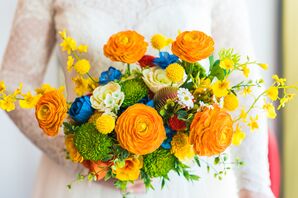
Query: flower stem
x,y
128,68
88,74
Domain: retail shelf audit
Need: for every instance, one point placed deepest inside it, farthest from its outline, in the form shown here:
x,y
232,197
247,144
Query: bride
x,y
91,22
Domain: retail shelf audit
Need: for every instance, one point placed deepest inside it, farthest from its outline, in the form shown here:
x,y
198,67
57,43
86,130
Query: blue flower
x,y
111,74
81,110
150,103
165,59
167,142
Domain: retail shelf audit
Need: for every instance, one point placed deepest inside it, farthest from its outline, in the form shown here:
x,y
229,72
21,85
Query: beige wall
x,y
290,132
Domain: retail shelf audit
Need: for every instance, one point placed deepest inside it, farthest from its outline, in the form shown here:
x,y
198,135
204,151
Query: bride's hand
x,y
249,194
137,187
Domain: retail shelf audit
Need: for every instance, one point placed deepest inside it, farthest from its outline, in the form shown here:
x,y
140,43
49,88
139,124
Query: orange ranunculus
x,y
192,46
99,168
211,131
130,170
50,112
140,129
127,47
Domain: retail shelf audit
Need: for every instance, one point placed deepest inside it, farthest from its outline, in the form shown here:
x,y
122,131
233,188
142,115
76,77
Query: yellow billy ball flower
x,y
82,66
226,64
159,41
272,93
175,72
231,102
220,88
81,85
105,124
181,146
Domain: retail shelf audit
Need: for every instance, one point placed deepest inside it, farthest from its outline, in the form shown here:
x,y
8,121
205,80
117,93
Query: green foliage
x,y
216,71
134,90
91,144
182,169
159,163
69,128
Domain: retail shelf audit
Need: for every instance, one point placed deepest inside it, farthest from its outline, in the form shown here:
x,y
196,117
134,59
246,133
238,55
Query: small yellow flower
x,y
81,85
70,61
175,72
270,109
238,136
263,66
220,88
159,41
71,149
279,81
181,147
246,91
29,101
231,102
83,48
2,87
227,64
68,44
272,93
253,124
45,88
82,66
7,103
245,70
243,115
105,124
285,100
18,90
63,34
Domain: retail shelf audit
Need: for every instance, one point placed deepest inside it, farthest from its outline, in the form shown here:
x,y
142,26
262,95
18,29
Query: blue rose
x,y
111,74
167,142
165,59
81,110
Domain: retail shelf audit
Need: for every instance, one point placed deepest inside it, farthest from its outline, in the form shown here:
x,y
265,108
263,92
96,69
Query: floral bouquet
x,y
142,123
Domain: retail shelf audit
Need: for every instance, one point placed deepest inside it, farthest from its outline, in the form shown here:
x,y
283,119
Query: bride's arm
x,y
29,48
230,29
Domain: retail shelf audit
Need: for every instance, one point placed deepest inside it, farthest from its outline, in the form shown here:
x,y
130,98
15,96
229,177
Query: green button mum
x,y
159,163
91,144
134,90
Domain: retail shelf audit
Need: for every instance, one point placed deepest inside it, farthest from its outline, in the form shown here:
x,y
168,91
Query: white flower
x,y
107,98
185,98
156,78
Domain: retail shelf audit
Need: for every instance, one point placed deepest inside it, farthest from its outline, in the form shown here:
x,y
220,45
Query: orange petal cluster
x,y
50,112
126,46
211,131
140,129
192,46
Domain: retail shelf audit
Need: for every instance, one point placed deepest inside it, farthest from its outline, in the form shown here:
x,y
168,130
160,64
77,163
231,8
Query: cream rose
x,y
156,78
107,98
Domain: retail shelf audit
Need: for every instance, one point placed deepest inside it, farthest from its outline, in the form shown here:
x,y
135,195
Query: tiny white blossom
x,y
185,98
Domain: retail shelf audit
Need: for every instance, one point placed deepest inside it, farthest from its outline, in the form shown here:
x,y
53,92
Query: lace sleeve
x,y
29,48
230,29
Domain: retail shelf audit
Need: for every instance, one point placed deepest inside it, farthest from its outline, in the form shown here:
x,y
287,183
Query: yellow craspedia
x,y
231,102
82,66
159,41
175,72
181,147
105,124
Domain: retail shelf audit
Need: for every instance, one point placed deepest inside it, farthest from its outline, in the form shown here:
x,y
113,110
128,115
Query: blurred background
x,y
274,32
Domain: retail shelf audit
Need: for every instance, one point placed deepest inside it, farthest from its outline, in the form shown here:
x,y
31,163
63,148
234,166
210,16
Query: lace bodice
x,y
91,22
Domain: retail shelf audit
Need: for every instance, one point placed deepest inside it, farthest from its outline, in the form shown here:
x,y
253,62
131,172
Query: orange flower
x,y
130,171
211,131
99,168
192,46
127,47
50,112
140,129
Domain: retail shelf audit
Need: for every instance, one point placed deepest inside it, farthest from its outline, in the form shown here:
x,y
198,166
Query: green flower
x,y
91,144
134,90
159,163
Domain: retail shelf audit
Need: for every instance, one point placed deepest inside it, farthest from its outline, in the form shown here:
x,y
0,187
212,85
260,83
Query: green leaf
x,y
217,72
182,114
197,160
216,160
211,60
163,182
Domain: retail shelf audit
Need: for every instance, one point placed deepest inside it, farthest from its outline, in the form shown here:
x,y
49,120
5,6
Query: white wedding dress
x,y
91,22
